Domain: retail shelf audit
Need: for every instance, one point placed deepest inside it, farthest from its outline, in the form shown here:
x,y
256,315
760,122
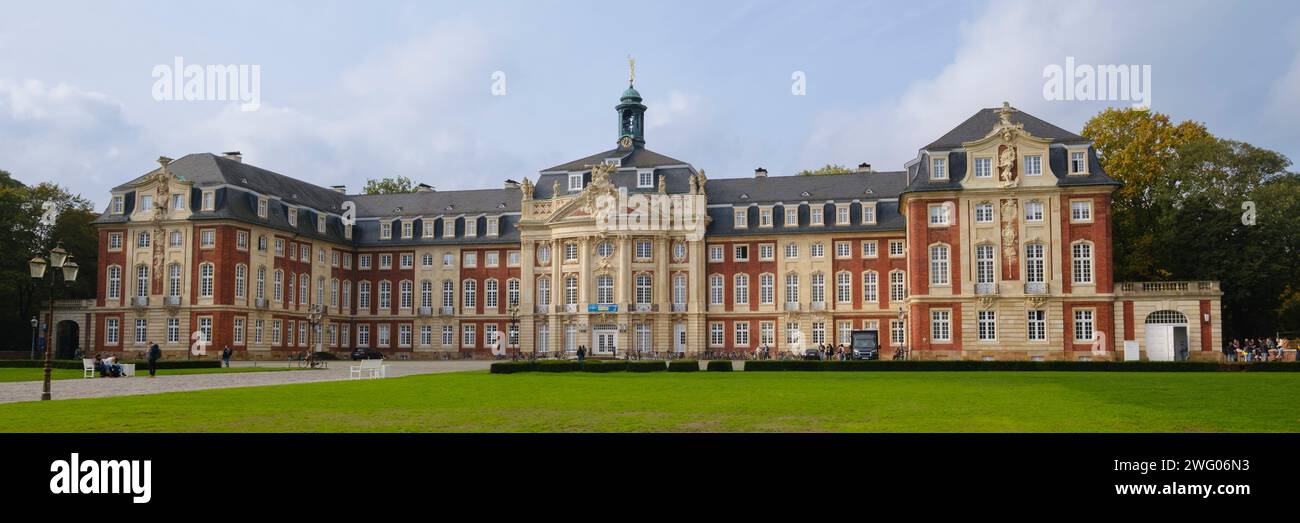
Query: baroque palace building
x,y
994,242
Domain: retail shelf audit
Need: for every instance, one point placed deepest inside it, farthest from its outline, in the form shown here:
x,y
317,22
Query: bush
x,y
684,366
604,366
719,366
511,367
975,365
558,366
646,366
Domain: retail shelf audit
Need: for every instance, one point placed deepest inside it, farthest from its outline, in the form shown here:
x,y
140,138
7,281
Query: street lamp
x,y
35,323
514,327
59,259
902,317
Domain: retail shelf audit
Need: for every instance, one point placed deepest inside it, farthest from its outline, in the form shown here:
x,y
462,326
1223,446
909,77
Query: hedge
x,y
719,366
646,366
684,366
139,364
976,365
604,366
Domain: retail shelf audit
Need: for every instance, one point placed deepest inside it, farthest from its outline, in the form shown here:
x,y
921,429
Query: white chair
x,y
88,368
128,370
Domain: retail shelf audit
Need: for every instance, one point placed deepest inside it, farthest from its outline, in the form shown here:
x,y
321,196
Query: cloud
x,y
1284,94
678,109
66,135
1001,57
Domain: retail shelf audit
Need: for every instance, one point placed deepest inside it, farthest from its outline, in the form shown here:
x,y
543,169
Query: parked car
x,y
367,354
866,344
811,354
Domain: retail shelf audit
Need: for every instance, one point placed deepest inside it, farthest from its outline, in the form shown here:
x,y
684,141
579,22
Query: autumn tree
x,y
393,185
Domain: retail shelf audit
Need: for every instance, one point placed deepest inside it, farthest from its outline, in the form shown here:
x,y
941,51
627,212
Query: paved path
x,y
142,384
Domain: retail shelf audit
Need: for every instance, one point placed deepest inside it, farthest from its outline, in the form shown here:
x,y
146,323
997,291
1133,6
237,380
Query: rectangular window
x,y
983,167
897,248
939,215
740,252
115,241
868,213
1034,263
112,330
816,215
1083,325
767,333
939,169
791,250
178,202
141,330
173,330
471,227
1034,211
1033,165
448,335
493,226
939,265
716,253
293,217
1078,163
983,213
239,331
468,335
575,181
817,250
385,261
385,231
1081,253
448,228
209,199
819,332
741,329
791,217
716,334
766,252
843,249
842,215
940,325
988,326
741,217
117,205
408,229
1037,325
869,249
895,332
1081,211
645,179
765,217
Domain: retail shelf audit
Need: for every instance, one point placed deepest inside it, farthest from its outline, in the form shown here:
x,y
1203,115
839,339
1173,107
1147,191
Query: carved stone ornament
x,y
1035,302
1009,247
986,302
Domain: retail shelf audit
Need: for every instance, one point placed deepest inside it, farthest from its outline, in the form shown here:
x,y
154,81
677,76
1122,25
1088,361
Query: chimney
x,y
865,168
760,173
233,155
341,189
424,187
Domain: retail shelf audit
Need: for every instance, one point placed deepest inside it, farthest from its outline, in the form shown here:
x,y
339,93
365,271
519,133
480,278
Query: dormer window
x,y
741,218
575,181
426,227
983,167
146,203
471,227
178,202
842,214
868,213
261,207
791,216
1078,162
293,217
816,215
385,231
939,169
1033,165
117,205
645,179
765,217
347,232
209,200
493,225
408,229
320,224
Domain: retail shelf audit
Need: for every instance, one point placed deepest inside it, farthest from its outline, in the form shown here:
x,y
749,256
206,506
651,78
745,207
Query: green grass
x,y
704,401
36,374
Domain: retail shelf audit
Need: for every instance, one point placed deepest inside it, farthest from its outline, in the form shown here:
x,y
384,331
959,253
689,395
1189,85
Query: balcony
x,y
986,288
140,301
1170,288
792,306
819,305
571,308
446,311
644,307
679,307
1037,287
426,311
172,301
543,309
261,303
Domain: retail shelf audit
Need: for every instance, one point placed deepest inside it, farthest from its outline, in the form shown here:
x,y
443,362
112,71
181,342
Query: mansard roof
x,y
791,189
637,156
983,122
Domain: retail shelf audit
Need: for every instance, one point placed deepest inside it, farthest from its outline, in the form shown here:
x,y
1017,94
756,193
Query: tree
x,y
830,168
394,185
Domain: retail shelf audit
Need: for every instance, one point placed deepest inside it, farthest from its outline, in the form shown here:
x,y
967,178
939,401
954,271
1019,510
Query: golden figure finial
x,y
631,70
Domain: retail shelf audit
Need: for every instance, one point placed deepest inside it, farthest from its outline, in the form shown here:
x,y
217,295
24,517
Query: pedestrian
x,y
582,353
225,356
154,354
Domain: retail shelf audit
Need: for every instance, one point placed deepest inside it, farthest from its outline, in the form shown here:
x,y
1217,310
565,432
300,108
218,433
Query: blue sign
x,y
592,307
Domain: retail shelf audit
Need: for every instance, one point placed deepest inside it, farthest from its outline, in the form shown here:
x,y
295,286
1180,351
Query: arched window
x,y
1034,263
792,288
205,280
716,292
114,289
347,298
261,282
512,293
1165,317
320,289
293,287
385,294
571,289
604,289
818,288
544,291
741,289
277,286
490,294
984,264
939,264
448,294
1081,256
470,299
304,293
766,289
241,280
426,294
142,280
843,287
405,294
870,287
644,289
679,289
363,295
174,280
334,293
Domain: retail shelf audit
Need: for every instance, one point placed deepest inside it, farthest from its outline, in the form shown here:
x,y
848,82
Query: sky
x,y
356,90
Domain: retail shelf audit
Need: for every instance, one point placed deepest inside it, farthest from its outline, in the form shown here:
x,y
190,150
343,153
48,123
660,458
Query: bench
x,y
369,369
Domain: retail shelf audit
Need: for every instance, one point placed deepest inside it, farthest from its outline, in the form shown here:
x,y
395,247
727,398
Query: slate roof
x,y
789,190
979,126
636,156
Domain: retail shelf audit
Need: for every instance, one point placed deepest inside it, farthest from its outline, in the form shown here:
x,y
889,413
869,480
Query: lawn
x,y
37,374
704,401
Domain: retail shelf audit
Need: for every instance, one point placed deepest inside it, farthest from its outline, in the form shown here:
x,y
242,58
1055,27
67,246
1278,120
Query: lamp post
x,y
514,327
35,323
59,259
902,317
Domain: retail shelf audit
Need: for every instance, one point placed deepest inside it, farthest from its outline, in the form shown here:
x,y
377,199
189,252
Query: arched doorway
x,y
1166,336
68,337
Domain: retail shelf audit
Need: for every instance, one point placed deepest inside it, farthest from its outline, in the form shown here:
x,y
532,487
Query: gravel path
x,y
142,384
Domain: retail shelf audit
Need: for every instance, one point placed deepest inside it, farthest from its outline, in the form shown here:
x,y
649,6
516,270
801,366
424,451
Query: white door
x,y
1160,342
604,341
679,337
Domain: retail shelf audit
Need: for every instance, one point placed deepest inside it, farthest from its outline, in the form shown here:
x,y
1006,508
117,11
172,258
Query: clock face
x,y
625,141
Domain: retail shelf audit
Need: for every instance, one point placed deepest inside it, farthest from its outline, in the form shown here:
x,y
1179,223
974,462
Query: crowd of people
x,y
1257,349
